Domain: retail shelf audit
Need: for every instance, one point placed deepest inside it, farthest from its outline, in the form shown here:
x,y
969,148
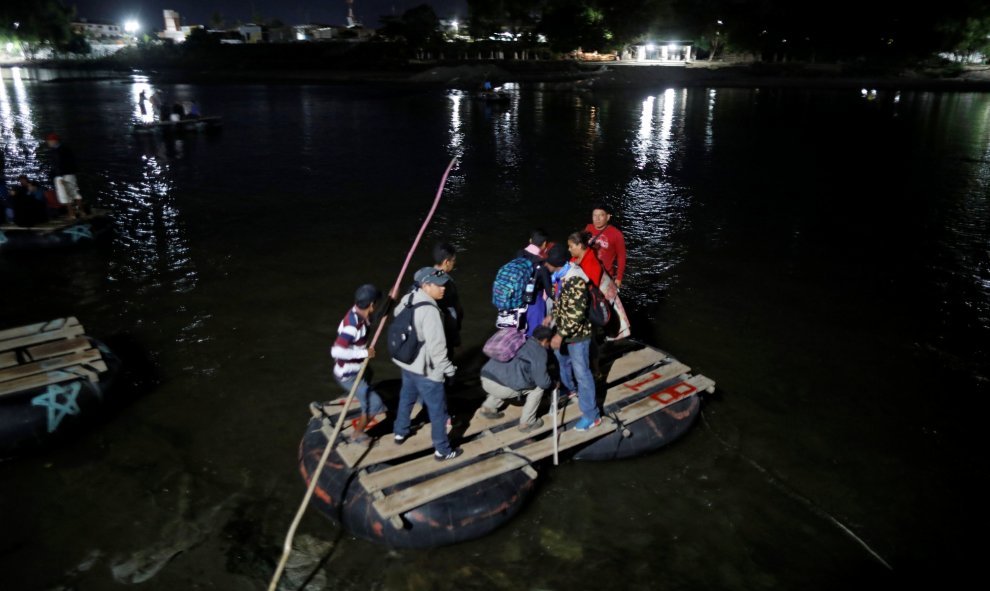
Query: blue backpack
x,y
509,288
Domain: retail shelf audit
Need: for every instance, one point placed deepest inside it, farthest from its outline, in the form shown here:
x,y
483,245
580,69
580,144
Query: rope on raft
x,y
315,476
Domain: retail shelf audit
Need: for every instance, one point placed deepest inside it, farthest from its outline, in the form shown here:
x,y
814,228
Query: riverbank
x,y
566,74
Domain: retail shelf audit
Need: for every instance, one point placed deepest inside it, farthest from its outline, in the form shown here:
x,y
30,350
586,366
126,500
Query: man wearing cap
x,y
63,163
572,343
349,351
424,377
608,243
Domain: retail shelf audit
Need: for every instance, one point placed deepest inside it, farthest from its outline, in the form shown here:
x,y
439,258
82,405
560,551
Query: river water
x,y
822,255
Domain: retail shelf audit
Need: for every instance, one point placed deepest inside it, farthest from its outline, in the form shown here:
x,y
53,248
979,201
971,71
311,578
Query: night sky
x,y
292,12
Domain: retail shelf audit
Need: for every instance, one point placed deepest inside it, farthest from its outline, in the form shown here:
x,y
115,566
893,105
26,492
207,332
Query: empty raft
x,y
53,378
54,234
401,497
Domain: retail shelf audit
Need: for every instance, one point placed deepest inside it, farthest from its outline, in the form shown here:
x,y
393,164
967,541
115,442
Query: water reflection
x,y
153,251
17,125
654,209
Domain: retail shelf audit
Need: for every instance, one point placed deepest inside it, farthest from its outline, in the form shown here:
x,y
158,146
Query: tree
x,y
417,26
488,17
216,20
35,22
572,24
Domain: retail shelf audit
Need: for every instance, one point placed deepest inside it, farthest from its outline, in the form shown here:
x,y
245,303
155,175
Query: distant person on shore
x,y
349,351
141,99
608,243
177,112
63,162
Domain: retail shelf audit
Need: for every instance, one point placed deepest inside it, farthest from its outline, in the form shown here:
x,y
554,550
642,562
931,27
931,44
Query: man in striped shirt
x,y
351,349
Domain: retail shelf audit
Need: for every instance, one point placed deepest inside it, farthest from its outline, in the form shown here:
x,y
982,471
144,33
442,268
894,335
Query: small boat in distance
x,y
203,123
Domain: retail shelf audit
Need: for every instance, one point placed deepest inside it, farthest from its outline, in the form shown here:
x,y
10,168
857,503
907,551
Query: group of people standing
x,y
557,319
28,204
161,112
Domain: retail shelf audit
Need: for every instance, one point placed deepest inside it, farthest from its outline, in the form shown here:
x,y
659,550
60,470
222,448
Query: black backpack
x,y
403,342
599,309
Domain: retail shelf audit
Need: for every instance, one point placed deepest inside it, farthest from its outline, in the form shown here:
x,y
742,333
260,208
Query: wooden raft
x,y
47,353
53,225
629,376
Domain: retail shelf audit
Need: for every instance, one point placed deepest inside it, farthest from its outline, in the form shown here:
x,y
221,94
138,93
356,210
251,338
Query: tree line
x,y
772,29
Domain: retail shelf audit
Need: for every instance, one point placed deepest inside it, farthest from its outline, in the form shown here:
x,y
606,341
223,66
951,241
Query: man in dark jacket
x,y
525,375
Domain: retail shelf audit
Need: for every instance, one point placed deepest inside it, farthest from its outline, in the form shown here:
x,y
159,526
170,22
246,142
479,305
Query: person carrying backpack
x,y
572,343
539,288
424,375
524,375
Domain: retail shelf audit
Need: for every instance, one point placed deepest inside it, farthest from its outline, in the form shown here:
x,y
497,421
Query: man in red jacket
x,y
608,243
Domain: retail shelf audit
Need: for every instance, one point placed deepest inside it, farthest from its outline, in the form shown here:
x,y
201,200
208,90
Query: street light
x,y
132,26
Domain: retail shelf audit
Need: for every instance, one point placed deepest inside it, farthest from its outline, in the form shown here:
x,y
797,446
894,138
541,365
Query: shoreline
x,y
559,75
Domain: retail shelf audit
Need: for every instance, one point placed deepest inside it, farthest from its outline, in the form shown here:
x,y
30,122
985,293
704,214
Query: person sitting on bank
x,y
349,351
525,376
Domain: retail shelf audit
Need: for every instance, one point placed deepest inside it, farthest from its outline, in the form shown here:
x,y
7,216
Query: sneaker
x,y
400,439
530,427
584,424
491,414
450,456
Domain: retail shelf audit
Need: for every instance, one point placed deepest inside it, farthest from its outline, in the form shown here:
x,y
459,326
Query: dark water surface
x,y
823,257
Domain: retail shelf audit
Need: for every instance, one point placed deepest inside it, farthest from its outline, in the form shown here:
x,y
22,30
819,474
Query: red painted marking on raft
x,y
650,378
673,393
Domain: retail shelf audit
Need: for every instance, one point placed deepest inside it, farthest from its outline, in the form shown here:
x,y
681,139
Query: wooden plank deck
x,y
46,353
67,330
385,449
421,493
53,225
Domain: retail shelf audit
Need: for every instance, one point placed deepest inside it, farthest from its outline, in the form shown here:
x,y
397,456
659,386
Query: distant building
x,y
103,38
252,33
662,52
97,30
173,27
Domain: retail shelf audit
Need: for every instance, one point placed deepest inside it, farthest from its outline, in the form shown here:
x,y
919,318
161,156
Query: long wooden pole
x,y
315,476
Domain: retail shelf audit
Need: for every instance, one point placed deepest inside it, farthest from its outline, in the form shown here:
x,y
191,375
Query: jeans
x,y
432,394
575,357
371,403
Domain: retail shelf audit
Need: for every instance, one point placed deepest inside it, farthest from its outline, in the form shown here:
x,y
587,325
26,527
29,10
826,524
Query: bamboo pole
x,y
315,476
